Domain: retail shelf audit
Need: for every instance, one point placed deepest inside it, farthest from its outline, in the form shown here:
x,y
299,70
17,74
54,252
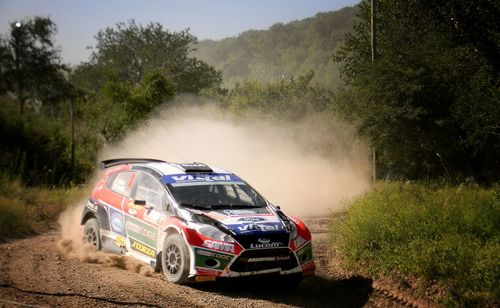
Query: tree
x,y
119,106
130,51
283,50
30,64
429,102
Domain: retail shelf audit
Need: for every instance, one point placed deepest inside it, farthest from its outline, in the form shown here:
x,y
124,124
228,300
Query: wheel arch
x,y
169,230
100,214
87,216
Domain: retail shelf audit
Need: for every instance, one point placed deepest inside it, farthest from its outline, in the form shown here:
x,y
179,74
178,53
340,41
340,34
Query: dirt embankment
x,y
34,272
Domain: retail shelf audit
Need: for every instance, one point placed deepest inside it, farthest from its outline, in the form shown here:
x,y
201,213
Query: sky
x,y
78,21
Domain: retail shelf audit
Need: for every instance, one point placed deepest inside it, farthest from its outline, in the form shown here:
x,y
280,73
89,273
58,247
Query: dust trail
x,y
307,167
72,245
89,254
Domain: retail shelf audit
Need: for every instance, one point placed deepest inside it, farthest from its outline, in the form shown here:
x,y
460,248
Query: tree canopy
x,y
130,51
430,103
30,64
282,51
135,68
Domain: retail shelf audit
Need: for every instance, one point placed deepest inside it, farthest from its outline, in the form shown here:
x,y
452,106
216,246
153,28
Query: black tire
x,y
92,233
175,259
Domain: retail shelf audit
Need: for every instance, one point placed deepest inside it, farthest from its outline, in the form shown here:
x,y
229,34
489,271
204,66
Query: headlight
x,y
214,233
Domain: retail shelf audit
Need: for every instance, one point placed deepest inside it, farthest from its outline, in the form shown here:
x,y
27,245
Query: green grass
x,y
449,236
27,211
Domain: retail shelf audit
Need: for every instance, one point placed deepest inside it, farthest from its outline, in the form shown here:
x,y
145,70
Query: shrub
x,y
448,235
27,210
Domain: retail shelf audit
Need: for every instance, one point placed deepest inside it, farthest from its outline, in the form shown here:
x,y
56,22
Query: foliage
x,y
36,148
119,107
134,69
430,102
282,51
129,52
25,210
449,235
290,98
30,65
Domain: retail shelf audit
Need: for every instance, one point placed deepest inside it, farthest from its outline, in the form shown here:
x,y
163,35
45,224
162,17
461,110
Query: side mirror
x,y
140,202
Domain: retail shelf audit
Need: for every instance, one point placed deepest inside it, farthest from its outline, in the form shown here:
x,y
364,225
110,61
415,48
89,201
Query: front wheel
x,y
92,233
175,259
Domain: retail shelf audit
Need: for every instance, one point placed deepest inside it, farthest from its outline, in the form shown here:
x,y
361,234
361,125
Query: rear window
x,y
123,183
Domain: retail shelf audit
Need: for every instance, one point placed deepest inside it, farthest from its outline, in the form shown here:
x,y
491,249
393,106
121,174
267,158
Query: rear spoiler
x,y
121,161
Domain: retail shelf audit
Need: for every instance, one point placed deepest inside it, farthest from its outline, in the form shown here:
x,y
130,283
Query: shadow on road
x,y
312,292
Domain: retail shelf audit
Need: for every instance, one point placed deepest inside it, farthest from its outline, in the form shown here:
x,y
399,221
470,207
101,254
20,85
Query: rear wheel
x,y
175,259
92,233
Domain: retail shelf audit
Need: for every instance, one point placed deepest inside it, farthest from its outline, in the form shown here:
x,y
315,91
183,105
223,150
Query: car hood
x,y
250,221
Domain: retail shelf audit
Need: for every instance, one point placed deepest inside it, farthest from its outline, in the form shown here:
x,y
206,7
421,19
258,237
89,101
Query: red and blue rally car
x,y
194,222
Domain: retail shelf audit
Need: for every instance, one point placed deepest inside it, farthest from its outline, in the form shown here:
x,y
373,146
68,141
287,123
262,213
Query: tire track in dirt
x,y
33,272
99,299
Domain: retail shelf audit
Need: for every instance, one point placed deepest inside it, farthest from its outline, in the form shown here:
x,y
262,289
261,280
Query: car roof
x,y
167,168
163,167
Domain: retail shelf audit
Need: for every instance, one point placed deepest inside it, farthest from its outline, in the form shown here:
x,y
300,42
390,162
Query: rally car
x,y
195,222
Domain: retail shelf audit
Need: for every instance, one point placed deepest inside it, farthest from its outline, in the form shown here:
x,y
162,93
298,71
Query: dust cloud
x,y
88,253
307,167
71,244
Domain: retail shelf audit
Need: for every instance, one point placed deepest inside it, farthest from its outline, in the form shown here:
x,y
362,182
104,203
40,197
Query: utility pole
x,y
373,36
71,111
16,36
373,29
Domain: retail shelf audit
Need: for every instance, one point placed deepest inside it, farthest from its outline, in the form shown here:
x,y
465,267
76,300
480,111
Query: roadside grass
x,y
447,236
27,211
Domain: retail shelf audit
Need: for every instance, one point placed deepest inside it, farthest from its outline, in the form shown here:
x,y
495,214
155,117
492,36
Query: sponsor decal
x,y
269,259
222,246
213,254
92,206
267,245
140,231
251,219
299,241
259,227
238,212
155,217
263,240
202,177
117,222
211,259
132,208
120,241
143,249
305,254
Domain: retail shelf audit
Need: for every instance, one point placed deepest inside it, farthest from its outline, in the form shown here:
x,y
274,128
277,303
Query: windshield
x,y
216,195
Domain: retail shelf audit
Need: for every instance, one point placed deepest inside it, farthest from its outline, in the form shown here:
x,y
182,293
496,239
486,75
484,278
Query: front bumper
x,y
209,264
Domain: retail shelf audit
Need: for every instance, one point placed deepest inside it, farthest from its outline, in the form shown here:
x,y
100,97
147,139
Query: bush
x,y
12,218
448,235
27,210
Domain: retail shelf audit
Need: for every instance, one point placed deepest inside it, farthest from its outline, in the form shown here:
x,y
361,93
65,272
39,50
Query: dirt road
x,y
34,273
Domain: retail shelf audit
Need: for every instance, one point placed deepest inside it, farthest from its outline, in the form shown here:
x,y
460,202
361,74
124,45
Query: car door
x,y
122,187
145,215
